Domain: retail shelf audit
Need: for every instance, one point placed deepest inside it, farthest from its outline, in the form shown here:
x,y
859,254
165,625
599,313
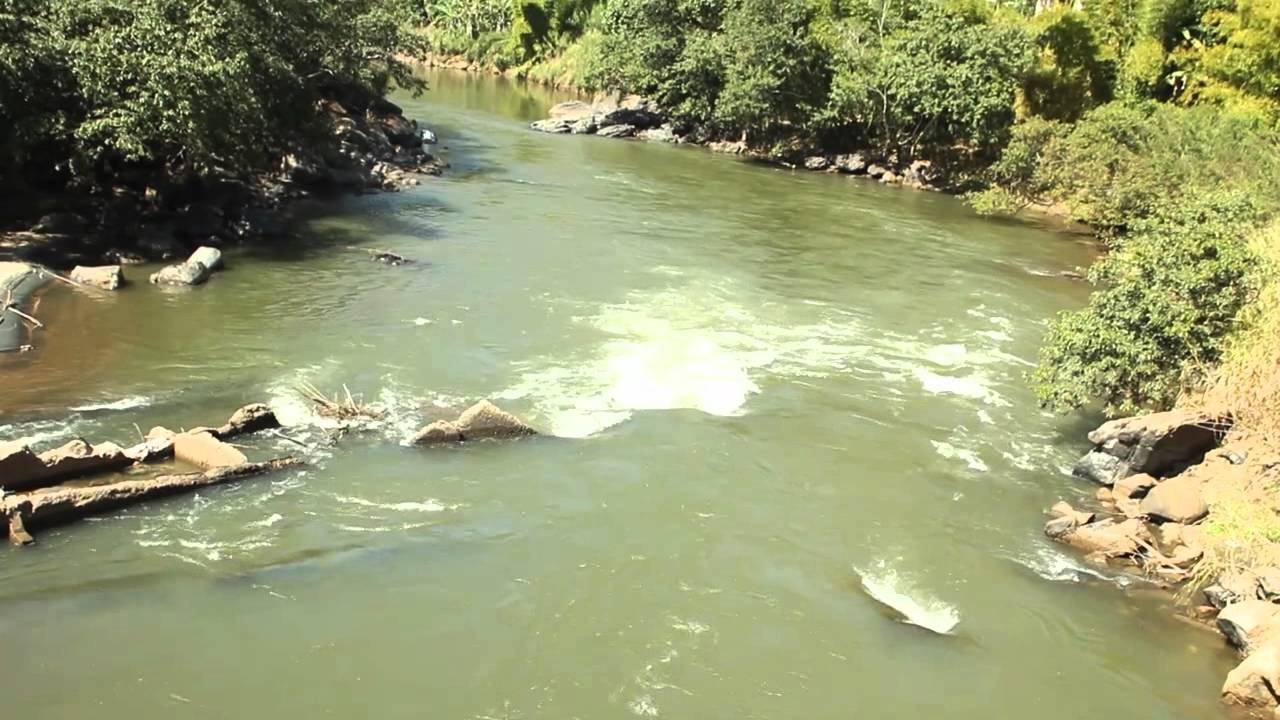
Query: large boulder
x,y
573,110
1255,681
482,421
105,277
630,110
1160,444
19,467
1249,623
853,164
617,131
204,450
1177,500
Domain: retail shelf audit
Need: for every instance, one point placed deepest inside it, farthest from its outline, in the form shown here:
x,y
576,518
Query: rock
x,y
1062,509
630,110
1176,500
105,277
1248,623
1269,584
62,223
555,126
78,458
208,256
482,421
399,129
304,169
426,137
573,110
876,172
585,126
1253,683
1100,467
1134,486
728,147
664,133
248,419
1159,444
617,131
19,467
1185,556
157,445
1109,538
890,177
181,274
1060,526
204,450
440,431
816,162
920,173
853,164
1104,495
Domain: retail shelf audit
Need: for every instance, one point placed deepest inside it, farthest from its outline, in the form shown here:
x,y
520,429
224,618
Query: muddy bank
x,y
1184,503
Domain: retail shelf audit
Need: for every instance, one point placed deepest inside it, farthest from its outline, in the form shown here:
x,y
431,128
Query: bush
x,y
1070,75
1167,298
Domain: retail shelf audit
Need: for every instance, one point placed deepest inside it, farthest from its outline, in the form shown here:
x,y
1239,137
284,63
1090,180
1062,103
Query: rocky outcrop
x,y
103,277
609,116
194,271
1160,445
31,511
20,469
482,421
1249,623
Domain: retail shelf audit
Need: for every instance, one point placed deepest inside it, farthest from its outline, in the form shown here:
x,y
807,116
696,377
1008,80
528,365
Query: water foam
x,y
886,586
126,403
427,506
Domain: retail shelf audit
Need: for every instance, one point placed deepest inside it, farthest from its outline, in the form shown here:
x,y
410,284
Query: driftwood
x,y
40,509
12,307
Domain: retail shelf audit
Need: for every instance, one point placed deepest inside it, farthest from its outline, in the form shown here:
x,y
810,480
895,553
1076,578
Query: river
x,y
765,384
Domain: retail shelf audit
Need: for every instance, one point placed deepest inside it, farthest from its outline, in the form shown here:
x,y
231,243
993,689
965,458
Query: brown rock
x,y
1134,486
1104,495
1249,623
484,420
1177,499
204,450
1269,583
1251,683
572,110
19,467
440,431
1109,538
78,458
105,277
248,419
157,445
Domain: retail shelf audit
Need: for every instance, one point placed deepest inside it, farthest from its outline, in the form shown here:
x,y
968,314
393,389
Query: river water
x,y
773,395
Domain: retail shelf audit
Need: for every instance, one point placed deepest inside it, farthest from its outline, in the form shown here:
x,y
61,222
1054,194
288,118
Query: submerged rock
x,y
482,421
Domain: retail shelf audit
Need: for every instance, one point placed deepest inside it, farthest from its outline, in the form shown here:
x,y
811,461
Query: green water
x,y
763,383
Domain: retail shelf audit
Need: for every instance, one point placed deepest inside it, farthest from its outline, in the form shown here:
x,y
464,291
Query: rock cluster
x,y
198,268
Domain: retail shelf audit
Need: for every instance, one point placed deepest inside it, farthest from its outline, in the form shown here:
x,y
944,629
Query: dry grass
x,y
1247,383
343,406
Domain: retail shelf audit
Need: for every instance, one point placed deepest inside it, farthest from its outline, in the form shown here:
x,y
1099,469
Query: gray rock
x,y
482,421
554,126
890,177
617,131
573,110
185,273
105,277
426,137
1101,467
816,162
853,164
211,257
664,133
876,172
1160,444
585,126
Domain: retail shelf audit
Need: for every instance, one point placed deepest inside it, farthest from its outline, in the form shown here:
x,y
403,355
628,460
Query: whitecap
x,y
126,403
884,585
428,506
969,457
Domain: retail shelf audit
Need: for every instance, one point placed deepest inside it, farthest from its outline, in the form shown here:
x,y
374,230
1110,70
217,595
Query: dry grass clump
x,y
342,406
1241,535
1247,383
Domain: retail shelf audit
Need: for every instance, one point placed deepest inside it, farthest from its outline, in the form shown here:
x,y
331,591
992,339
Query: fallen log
x,y
26,512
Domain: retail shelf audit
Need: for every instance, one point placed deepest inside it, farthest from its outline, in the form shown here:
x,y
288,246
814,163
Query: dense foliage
x,y
92,88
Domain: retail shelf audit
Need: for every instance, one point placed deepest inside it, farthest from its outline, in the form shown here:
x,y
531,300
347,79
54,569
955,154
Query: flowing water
x,y
776,398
